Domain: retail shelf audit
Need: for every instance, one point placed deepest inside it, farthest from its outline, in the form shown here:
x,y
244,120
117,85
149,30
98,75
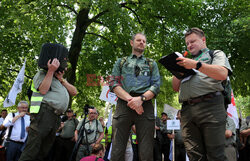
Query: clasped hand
x,y
135,103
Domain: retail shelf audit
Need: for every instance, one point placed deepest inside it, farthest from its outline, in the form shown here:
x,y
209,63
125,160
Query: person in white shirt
x,y
19,132
2,130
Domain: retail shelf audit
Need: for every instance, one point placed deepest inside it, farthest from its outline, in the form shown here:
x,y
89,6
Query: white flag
x,y
15,89
232,111
109,123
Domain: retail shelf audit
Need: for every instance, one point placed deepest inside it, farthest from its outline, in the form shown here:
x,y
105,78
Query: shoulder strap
x,y
75,122
150,63
11,127
148,60
212,53
123,60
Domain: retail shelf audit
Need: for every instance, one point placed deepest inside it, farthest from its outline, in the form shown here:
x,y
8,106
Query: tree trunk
x,y
82,23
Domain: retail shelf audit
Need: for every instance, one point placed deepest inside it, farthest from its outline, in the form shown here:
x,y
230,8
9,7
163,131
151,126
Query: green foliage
x,y
106,27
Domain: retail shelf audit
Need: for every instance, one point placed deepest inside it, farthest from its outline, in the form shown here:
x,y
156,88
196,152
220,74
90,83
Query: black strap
x,y
96,129
211,53
11,127
96,159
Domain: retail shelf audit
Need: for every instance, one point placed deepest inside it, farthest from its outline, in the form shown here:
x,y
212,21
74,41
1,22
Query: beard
x,y
139,50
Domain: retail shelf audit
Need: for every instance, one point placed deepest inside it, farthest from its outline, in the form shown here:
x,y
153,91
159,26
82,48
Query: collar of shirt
x,y
134,56
202,51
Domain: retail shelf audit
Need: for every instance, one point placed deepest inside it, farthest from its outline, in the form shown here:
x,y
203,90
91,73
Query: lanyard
x,y
201,54
199,57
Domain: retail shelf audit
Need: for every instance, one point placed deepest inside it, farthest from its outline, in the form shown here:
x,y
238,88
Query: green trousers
x,y
203,130
123,120
41,135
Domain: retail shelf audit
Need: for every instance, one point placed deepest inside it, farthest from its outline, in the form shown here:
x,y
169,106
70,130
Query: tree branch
x,y
68,7
90,33
124,6
94,19
18,72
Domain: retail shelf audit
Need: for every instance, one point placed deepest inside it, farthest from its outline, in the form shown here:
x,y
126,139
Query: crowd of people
x,y
206,133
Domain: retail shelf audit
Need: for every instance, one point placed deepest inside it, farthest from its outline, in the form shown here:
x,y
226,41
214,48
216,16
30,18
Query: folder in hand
x,y
170,63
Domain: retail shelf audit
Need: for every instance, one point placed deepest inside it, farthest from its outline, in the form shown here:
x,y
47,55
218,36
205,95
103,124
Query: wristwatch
x,y
143,98
62,81
198,65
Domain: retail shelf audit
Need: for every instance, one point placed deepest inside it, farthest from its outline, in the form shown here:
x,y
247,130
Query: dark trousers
x,y
165,148
42,134
230,152
64,149
13,151
123,120
203,130
135,152
157,150
180,152
244,154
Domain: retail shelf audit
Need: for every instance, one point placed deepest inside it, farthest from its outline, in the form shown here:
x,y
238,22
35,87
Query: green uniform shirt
x,y
57,96
92,137
68,130
200,84
131,83
230,125
244,126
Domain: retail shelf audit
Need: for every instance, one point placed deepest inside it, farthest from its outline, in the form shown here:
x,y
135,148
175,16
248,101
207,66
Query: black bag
x,y
51,51
226,84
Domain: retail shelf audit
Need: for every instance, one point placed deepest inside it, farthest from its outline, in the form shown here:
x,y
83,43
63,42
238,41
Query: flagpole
x,y
155,112
173,147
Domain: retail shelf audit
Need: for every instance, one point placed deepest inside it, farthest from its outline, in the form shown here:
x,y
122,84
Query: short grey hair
x,y
139,33
22,102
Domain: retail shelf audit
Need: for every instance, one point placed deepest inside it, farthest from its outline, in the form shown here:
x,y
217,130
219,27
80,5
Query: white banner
x,y
15,89
171,111
173,125
108,96
232,111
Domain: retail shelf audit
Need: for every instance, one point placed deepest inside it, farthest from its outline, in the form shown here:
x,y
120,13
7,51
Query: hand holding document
x,y
170,63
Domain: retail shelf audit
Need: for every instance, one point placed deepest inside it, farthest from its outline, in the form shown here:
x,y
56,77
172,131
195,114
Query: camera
x,y
89,131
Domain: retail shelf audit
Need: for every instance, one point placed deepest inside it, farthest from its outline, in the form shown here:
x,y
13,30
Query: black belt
x,y
18,142
202,98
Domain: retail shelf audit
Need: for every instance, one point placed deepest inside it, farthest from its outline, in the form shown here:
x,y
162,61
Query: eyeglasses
x,y
24,107
93,113
137,70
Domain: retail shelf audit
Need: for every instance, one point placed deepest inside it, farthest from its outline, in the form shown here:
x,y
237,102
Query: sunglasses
x,y
137,70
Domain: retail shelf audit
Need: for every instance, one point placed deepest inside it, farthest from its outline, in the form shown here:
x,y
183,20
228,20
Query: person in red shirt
x,y
96,155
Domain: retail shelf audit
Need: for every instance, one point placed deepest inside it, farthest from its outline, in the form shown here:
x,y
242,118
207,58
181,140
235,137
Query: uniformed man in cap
x,y
165,142
66,140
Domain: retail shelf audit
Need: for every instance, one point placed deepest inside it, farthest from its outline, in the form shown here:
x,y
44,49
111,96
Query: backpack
x,y
148,61
226,84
